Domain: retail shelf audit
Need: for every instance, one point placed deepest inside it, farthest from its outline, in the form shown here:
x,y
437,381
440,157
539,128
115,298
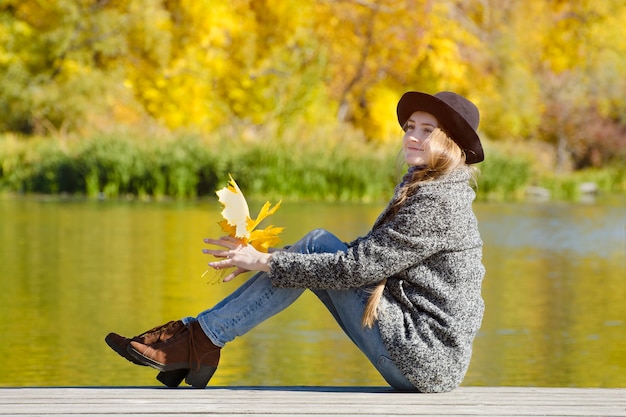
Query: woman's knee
x,y
319,241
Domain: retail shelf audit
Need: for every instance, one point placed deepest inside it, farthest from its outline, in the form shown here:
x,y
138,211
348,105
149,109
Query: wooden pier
x,y
309,401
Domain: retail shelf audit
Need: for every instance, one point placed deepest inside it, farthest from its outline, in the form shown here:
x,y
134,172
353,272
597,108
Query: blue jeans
x,y
257,300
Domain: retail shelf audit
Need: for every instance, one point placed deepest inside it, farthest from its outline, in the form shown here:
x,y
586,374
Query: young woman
x,y
408,293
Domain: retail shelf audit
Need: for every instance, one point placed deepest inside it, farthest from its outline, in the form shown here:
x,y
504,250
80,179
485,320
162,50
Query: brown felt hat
x,y
458,116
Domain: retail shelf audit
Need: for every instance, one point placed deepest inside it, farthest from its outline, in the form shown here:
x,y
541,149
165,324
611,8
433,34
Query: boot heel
x,y
172,379
200,378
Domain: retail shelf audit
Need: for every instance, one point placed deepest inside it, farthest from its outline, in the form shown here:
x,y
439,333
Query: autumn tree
x,y
379,49
60,63
581,83
554,64
536,69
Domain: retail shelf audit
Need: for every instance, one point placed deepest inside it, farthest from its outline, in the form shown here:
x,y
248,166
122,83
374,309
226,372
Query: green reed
x,y
502,177
608,180
191,166
327,164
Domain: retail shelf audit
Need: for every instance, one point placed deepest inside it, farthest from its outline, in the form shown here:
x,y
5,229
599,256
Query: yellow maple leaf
x,y
264,239
266,210
238,223
235,212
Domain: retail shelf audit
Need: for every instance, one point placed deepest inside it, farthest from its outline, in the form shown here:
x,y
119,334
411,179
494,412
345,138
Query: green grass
x,y
328,165
609,180
190,166
502,177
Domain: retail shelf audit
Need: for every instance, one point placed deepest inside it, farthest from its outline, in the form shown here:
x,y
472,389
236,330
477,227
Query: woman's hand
x,y
238,255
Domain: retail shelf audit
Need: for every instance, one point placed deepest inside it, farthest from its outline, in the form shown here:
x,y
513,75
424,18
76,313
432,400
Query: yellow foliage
x,y
238,223
204,64
380,122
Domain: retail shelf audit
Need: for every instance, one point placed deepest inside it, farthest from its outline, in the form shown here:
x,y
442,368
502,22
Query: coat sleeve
x,y
418,230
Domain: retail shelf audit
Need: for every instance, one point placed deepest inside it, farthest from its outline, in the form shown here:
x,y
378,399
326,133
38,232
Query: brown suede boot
x,y
188,349
155,335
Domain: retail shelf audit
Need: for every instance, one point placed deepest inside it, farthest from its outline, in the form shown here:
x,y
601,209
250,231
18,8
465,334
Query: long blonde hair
x,y
445,157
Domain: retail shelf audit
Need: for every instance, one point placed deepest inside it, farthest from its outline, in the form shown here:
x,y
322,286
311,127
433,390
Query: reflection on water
x,y
554,291
73,270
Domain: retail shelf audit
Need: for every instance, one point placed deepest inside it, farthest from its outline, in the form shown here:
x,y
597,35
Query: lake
x,y
72,270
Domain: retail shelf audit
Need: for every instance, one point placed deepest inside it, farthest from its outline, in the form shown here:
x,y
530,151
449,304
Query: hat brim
x,y
452,122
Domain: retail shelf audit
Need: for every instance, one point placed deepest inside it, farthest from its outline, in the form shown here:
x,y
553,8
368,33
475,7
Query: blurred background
x,y
120,119
157,98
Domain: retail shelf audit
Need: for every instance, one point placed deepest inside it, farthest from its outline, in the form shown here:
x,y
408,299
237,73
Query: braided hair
x,y
445,157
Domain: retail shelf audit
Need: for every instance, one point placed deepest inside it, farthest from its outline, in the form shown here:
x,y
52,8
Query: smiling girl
x,y
408,293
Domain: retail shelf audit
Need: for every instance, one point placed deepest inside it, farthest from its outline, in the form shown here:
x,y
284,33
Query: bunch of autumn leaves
x,y
237,222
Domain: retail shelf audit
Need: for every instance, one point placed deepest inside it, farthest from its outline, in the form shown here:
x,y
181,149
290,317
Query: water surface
x,y
71,270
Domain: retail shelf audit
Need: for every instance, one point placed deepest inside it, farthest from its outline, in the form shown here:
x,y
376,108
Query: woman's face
x,y
415,144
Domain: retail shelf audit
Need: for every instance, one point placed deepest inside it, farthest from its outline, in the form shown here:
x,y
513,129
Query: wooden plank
x,y
310,401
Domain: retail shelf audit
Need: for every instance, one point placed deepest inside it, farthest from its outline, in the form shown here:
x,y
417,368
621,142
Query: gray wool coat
x,y
430,253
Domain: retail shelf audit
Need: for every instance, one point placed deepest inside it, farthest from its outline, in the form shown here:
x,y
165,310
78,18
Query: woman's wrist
x,y
265,262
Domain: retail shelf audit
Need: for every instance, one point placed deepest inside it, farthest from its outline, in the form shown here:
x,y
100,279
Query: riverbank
x,y
311,168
